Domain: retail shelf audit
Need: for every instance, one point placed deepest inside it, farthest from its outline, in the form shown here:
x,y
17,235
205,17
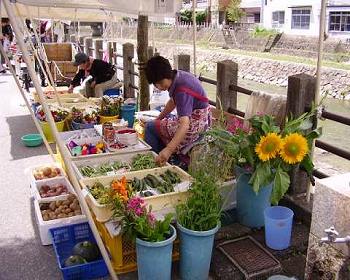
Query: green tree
x,y
234,11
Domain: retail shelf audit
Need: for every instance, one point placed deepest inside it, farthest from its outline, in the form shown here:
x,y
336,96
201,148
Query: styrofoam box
x,y
52,182
32,178
168,200
125,158
44,226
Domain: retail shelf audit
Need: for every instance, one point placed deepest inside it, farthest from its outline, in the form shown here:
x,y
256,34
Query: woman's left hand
x,y
164,156
93,84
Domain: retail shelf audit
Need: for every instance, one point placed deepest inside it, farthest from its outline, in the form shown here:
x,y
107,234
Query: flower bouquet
x,y
58,114
110,106
84,118
268,153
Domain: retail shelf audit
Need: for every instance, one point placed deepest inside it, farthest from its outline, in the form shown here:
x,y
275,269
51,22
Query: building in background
x,y
252,9
302,17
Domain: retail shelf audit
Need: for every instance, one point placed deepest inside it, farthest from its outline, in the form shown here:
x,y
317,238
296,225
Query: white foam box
x,y
45,226
158,202
30,171
52,182
95,162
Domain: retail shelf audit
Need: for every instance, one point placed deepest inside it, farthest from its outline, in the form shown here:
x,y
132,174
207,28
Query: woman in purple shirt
x,y
171,135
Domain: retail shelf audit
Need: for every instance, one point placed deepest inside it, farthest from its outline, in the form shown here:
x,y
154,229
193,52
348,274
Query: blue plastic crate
x,y
112,92
64,239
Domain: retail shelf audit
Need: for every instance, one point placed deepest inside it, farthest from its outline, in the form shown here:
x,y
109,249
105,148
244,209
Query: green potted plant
x,y
198,219
263,156
84,118
110,108
154,238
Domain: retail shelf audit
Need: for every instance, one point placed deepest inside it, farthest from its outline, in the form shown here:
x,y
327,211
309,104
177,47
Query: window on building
x,y
277,19
301,18
339,21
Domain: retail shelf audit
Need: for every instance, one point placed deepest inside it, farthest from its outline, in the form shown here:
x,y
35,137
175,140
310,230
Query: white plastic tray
x,y
168,200
45,226
59,180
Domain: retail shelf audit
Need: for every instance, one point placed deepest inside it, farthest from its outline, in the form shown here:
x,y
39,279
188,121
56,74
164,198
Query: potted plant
x,y
59,115
110,108
198,219
264,155
84,118
154,238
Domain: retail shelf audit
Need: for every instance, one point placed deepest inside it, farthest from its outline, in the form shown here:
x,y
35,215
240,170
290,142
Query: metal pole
x,y
194,5
38,126
61,145
318,69
320,50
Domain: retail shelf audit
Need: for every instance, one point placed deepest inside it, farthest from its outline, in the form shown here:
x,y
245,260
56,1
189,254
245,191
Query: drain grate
x,y
252,259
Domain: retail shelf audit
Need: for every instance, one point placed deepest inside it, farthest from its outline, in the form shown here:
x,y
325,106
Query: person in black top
x,y
6,38
104,75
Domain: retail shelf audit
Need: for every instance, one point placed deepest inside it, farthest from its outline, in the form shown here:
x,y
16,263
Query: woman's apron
x,y
200,120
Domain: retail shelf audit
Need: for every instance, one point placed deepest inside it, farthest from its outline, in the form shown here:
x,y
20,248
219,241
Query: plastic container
x,y
47,131
32,140
154,258
104,119
52,182
195,252
128,114
77,126
64,239
121,249
278,227
38,167
104,213
251,206
112,92
127,137
45,226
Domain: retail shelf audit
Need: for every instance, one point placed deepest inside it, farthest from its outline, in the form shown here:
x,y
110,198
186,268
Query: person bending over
x,y
168,136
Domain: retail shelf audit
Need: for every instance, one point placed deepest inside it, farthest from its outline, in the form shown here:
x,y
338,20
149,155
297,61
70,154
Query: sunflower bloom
x,y
268,147
294,148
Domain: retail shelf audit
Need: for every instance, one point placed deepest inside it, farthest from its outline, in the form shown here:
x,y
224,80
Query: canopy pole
x,y
43,54
318,69
194,5
38,126
52,33
64,152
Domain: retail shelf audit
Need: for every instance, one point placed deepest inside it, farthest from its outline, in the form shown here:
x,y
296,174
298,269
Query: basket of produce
x,y
58,212
110,108
59,115
77,253
84,118
45,172
57,188
114,164
162,187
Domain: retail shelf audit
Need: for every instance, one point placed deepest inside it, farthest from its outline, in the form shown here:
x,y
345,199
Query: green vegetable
x,y
143,161
87,250
74,260
103,169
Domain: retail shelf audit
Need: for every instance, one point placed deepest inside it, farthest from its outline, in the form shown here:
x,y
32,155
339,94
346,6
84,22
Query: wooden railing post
x,y
301,93
128,65
114,44
227,75
87,45
150,52
182,62
142,56
98,46
110,52
72,38
82,43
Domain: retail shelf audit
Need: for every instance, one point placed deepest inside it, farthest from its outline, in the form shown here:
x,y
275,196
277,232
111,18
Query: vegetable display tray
x,y
64,239
52,182
158,202
124,158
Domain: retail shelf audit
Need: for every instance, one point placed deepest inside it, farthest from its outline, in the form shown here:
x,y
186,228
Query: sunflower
x,y
269,146
294,148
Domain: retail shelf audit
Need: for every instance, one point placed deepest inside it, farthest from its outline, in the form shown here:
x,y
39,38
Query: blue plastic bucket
x,y
112,92
154,258
251,206
278,227
128,114
195,252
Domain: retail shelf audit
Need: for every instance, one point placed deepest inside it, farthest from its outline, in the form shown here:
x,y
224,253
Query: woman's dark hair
x,y
157,69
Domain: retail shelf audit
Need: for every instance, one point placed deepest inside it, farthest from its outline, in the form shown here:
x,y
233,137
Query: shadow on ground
x,y
19,126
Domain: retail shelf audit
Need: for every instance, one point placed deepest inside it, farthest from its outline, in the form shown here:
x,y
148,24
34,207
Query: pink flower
x,y
151,218
233,124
